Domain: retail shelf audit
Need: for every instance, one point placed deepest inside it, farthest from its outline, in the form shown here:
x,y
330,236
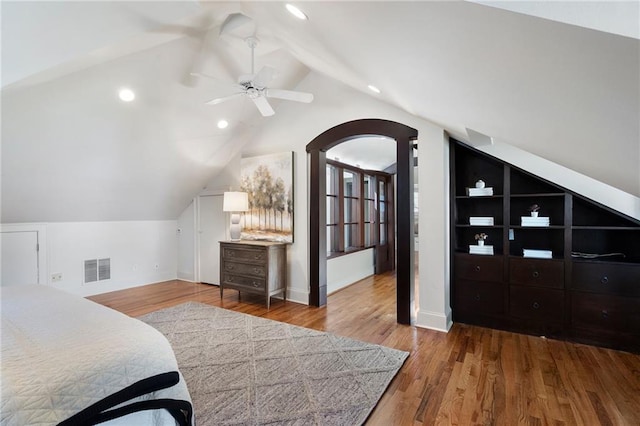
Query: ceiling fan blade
x,y
227,84
263,106
289,95
217,101
264,77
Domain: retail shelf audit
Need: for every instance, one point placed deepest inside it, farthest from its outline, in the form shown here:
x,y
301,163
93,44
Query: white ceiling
x,y
563,92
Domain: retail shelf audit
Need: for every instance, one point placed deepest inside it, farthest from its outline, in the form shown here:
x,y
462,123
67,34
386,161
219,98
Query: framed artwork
x,y
268,179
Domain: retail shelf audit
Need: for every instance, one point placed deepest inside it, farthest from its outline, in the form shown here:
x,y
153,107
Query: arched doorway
x,y
404,137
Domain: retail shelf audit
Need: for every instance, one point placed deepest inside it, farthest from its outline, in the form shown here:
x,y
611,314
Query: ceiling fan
x,y
254,86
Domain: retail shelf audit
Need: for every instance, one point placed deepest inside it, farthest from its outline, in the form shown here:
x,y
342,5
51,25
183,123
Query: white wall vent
x,y
97,270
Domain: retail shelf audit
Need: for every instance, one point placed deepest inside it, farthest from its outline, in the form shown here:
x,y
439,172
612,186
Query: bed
x,y
69,361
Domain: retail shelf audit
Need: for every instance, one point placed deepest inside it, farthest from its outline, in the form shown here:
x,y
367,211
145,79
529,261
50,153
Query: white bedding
x,y
62,353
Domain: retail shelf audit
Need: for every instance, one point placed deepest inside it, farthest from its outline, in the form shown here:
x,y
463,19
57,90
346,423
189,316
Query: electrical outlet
x,y
56,277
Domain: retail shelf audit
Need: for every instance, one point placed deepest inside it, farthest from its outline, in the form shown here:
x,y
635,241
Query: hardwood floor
x,y
471,375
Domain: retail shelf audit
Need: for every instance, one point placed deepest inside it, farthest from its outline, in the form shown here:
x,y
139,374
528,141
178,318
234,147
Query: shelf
x,y
537,228
605,228
540,194
480,197
462,225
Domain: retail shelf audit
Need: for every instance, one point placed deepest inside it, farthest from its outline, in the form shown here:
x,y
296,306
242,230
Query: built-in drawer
x,y
251,283
605,311
245,269
244,254
536,272
603,277
479,297
538,304
478,268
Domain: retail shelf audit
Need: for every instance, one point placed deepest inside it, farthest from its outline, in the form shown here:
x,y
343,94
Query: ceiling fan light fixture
x,y
296,12
223,124
126,95
373,88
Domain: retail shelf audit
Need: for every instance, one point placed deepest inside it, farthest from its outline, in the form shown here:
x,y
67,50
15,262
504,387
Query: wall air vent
x,y
97,270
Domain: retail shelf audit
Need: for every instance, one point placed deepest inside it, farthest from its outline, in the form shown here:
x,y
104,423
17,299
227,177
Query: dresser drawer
x,y
605,311
250,283
245,269
478,268
242,254
536,272
479,297
610,278
536,304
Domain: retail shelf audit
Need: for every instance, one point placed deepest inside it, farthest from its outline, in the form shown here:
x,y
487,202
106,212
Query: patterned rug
x,y
245,370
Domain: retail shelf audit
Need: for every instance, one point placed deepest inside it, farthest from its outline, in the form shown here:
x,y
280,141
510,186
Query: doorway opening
x,y
403,221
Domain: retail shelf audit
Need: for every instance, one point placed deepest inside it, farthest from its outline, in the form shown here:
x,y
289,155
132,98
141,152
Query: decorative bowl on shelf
x,y
480,184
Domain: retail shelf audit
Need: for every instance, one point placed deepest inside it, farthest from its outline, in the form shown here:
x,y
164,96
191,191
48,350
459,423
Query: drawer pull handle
x,y
478,268
604,280
536,274
536,305
230,267
605,314
255,284
230,279
478,297
256,270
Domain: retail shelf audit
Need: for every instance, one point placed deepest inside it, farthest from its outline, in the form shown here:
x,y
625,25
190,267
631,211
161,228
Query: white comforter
x,y
62,353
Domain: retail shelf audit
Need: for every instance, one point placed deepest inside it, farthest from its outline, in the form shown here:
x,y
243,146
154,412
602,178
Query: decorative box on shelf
x,y
537,254
534,221
481,221
479,192
476,249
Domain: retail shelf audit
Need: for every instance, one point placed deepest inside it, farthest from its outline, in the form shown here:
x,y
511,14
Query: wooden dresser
x,y
258,267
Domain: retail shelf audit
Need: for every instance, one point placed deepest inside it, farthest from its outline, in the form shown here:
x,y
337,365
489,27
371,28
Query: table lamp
x,y
234,203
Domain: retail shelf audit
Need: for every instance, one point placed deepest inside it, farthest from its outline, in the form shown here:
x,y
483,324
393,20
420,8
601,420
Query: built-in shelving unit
x,y
587,288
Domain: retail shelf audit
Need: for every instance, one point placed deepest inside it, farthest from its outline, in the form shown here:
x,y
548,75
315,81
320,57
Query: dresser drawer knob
x,y
478,297
605,314
255,284
536,274
477,268
604,280
230,267
256,270
230,279
536,305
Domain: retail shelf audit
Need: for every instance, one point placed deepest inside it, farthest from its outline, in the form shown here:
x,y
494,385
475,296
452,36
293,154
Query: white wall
x,y
141,252
347,269
186,244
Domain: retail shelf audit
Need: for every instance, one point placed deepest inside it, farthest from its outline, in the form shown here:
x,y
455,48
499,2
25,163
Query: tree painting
x,y
268,179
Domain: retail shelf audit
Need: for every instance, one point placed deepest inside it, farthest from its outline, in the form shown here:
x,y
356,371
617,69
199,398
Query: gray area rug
x,y
246,370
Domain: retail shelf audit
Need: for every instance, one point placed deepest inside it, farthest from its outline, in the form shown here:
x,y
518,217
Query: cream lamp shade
x,y
235,202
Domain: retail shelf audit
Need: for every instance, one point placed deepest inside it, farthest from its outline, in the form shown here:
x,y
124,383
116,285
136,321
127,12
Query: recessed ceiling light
x,y
296,12
222,124
126,95
373,88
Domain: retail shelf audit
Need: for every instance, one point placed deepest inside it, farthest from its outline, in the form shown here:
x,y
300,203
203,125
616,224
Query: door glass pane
x,y
382,193
383,233
332,210
350,183
332,239
367,234
383,212
332,175
369,187
350,236
350,210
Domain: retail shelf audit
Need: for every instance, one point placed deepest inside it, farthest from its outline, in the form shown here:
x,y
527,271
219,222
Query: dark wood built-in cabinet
x,y
588,290
254,267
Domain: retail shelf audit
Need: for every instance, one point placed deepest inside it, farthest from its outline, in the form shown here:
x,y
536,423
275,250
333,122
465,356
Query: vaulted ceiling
x,y
72,151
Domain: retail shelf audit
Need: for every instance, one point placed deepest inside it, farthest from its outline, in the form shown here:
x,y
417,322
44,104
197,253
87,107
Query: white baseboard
x,y
434,321
298,296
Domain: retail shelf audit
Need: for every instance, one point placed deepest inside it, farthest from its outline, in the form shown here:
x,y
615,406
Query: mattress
x,y
67,360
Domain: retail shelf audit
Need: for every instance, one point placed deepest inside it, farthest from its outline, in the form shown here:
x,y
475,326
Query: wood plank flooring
x,y
469,376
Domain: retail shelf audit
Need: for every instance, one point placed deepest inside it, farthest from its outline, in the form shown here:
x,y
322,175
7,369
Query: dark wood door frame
x,y
317,148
